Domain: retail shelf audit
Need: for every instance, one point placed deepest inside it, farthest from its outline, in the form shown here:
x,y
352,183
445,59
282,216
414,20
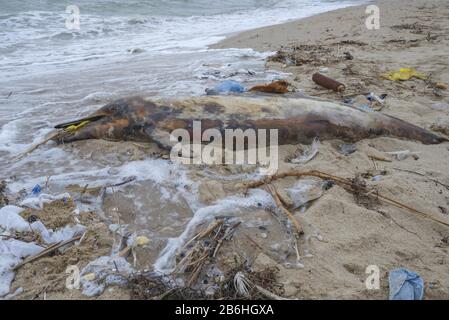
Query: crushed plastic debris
x,y
403,154
404,74
437,92
89,277
374,98
65,233
36,190
106,270
13,250
304,191
348,148
308,154
241,284
141,241
227,86
11,220
405,285
38,201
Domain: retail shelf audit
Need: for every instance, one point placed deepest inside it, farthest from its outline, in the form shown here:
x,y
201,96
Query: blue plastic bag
x,y
229,86
405,285
36,190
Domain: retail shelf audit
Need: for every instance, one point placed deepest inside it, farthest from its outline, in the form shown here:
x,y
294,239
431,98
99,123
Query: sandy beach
x,y
412,34
344,233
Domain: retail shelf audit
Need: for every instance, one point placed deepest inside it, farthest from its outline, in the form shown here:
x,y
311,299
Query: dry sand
x,y
355,234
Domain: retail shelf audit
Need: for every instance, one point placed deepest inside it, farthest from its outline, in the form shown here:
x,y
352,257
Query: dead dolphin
x,y
299,120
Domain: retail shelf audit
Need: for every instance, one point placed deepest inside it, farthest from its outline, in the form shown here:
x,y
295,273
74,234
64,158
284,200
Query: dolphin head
x,y
119,120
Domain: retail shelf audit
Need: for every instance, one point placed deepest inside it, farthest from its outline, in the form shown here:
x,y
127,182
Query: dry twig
x,y
279,203
347,184
50,249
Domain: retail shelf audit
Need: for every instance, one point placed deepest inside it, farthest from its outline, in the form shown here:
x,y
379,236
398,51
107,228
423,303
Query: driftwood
x,y
203,247
37,145
279,203
48,250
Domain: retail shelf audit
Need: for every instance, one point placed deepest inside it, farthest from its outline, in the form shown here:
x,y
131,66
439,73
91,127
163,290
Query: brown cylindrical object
x,y
441,85
328,83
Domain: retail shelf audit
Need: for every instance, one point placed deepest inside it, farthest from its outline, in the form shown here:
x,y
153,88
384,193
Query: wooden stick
x,y
50,249
200,235
425,176
37,145
278,201
269,294
379,158
298,174
347,185
227,236
163,295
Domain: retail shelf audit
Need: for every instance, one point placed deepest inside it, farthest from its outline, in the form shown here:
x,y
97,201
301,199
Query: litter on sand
x,y
142,241
404,74
304,191
279,86
13,250
36,190
348,148
375,98
308,154
403,154
227,86
405,285
328,83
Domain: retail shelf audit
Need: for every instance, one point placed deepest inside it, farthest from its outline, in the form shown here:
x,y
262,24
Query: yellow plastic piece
x,y
89,277
142,241
74,128
404,74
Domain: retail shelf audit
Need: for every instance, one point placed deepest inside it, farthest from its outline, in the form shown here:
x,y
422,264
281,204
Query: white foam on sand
x,y
230,206
13,251
158,171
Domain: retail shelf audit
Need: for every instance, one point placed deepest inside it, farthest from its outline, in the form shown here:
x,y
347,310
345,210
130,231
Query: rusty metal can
x,y
328,83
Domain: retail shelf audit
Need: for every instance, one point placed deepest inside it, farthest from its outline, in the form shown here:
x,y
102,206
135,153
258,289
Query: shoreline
x,y
272,36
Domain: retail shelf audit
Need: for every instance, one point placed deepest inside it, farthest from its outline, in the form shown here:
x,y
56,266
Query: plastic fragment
x,y
404,74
